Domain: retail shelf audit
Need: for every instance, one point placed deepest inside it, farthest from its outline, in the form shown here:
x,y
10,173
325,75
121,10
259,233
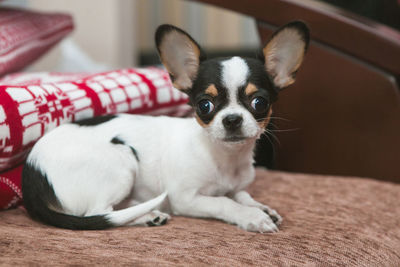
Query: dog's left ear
x,y
180,54
285,51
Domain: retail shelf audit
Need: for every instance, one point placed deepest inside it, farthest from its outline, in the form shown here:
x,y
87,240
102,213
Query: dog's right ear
x,y
180,54
285,52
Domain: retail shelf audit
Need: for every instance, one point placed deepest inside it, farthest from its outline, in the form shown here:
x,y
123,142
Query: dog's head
x,y
232,97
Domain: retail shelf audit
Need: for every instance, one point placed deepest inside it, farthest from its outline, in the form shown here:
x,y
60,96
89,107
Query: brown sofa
x,y
328,221
346,105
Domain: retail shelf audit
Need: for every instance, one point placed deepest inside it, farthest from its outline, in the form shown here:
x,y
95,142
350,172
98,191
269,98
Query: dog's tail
x,y
41,203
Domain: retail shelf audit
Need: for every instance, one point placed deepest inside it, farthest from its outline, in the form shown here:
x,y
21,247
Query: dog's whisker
x,y
285,130
269,133
269,139
273,125
279,118
276,128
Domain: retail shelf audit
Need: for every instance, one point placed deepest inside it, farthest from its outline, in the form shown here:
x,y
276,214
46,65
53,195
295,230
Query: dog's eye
x,y
259,104
205,106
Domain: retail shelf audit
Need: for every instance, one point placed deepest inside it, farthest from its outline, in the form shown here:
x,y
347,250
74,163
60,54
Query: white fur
x,y
90,175
234,74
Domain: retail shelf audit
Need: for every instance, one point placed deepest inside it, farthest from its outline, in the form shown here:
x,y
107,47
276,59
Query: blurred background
x,y
119,33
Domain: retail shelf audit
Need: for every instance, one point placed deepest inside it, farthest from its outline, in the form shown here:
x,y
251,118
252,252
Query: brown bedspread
x,y
327,221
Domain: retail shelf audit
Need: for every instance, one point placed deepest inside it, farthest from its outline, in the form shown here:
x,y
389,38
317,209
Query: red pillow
x,y
31,104
26,35
10,188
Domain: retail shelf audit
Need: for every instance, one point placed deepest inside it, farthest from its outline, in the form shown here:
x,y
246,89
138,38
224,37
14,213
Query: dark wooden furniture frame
x,y
344,108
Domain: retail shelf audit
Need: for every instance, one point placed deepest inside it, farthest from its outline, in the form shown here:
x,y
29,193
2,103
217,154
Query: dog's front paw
x,y
275,217
255,220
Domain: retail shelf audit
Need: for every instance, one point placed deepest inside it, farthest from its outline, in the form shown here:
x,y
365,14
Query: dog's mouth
x,y
234,138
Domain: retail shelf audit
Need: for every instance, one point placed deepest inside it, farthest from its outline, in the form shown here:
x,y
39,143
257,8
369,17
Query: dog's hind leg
x,y
153,218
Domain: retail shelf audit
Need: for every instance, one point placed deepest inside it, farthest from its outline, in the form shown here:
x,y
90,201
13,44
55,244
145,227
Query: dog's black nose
x,y
232,122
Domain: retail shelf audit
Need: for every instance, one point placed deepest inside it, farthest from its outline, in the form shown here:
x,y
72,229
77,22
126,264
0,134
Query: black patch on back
x,y
118,141
38,196
95,121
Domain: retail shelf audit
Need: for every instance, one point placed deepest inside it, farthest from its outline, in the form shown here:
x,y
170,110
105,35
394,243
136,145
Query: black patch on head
x,y
118,141
39,196
95,121
209,73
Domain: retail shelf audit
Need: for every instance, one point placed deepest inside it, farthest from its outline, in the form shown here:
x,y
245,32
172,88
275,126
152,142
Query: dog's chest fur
x,y
226,183
232,170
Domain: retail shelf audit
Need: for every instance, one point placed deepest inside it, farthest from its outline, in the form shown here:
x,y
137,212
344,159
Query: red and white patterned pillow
x,y
26,35
32,104
36,103
10,188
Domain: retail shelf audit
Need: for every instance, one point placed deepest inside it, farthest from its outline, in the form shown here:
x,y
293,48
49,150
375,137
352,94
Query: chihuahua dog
x,y
120,170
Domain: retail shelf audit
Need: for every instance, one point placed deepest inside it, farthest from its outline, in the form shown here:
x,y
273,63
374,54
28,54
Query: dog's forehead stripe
x,y
235,72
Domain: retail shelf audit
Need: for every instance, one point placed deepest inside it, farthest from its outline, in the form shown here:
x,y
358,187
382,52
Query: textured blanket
x,y
328,221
